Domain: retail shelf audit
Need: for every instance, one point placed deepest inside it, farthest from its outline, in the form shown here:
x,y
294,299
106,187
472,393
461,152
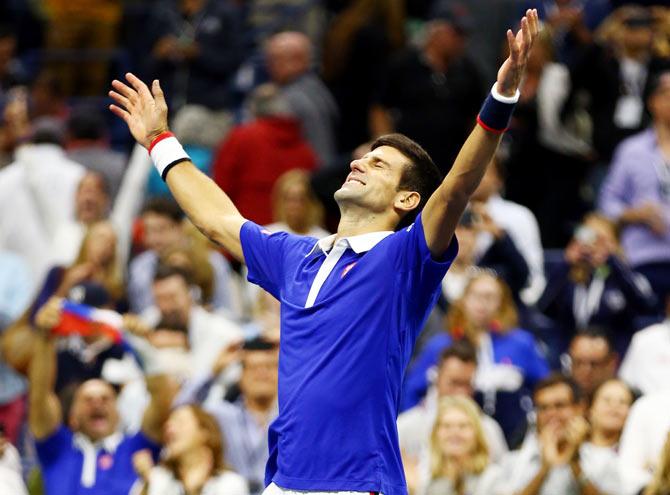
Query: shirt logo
x,y
105,462
347,269
266,232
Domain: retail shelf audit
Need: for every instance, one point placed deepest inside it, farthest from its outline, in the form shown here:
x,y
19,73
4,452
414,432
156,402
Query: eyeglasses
x,y
590,363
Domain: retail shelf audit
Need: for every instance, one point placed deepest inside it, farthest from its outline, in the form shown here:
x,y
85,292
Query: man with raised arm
x,y
353,303
86,453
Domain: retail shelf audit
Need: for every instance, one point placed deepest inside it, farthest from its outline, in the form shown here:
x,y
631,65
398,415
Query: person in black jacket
x,y
595,286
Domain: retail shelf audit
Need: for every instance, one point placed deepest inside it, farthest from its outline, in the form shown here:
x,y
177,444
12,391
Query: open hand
x,y
144,111
511,71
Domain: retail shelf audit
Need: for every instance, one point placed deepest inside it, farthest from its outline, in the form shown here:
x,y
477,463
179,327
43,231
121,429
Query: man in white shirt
x,y
642,440
455,376
646,365
36,194
519,222
10,469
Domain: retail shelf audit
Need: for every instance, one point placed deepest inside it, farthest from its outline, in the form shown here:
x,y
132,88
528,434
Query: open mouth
x,y
353,179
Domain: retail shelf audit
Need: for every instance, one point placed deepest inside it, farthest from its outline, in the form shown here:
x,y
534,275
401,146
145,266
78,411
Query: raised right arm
x,y
207,206
45,414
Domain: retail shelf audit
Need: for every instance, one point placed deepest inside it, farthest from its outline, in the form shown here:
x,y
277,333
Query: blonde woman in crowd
x,y
459,455
509,362
295,208
192,459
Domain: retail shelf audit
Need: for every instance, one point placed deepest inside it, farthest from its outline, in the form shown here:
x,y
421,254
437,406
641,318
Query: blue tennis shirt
x,y
343,352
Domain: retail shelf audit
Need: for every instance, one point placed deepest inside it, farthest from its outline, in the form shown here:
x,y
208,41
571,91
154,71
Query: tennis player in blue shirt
x,y
352,304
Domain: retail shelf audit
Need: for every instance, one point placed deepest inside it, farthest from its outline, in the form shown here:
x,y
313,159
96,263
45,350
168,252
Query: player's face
x,y
373,180
94,410
456,434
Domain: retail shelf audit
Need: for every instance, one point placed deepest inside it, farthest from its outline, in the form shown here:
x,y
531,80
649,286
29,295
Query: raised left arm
x,y
445,207
162,389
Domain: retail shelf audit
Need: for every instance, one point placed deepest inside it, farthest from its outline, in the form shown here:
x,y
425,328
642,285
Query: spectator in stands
x,y
254,155
196,49
642,441
289,60
12,73
432,94
591,359
510,363
87,143
636,193
645,365
518,222
459,454
295,208
245,422
455,378
555,459
164,229
15,294
37,192
87,454
614,72
359,42
193,459
595,286
11,480
189,336
610,404
483,244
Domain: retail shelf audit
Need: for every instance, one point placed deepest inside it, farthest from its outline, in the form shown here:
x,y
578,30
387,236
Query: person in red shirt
x,y
254,155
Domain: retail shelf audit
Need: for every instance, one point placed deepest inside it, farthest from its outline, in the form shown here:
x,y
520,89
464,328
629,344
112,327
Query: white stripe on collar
x,y
359,243
90,452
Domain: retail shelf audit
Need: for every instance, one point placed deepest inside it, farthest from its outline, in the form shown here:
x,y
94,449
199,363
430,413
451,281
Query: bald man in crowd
x,y
288,58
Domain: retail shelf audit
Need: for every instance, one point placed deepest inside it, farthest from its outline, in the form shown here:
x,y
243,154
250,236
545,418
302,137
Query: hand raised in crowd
x,y
75,275
144,111
49,315
484,221
561,447
135,325
230,354
143,462
512,69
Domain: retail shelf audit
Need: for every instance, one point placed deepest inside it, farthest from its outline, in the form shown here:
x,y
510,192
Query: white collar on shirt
x,y
90,452
359,243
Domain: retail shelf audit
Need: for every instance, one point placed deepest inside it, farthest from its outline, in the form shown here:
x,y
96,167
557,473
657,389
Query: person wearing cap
x,y
352,304
82,451
245,418
636,193
432,93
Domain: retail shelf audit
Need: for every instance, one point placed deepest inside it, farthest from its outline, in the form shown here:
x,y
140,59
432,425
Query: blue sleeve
x,y
416,379
50,449
53,280
423,273
265,254
536,367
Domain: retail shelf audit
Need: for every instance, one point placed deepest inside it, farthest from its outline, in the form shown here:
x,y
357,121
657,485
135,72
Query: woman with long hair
x,y
607,414
509,362
192,459
459,456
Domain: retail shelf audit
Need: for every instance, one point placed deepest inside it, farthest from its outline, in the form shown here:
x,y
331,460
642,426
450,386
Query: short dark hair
x,y
555,379
462,349
164,207
164,271
420,174
595,332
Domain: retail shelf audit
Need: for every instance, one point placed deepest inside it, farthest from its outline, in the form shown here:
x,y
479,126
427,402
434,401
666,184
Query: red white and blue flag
x,y
80,319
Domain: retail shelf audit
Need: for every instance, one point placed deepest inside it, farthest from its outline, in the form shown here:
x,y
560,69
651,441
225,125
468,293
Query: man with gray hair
x,y
255,154
288,57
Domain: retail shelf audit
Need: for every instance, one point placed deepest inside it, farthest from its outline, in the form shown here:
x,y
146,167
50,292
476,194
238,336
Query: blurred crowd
x,y
545,366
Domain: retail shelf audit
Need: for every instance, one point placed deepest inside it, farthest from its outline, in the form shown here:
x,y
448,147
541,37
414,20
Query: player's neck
x,y
356,222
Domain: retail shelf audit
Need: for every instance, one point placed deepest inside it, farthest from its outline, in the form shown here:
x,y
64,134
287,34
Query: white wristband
x,y
504,99
166,152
